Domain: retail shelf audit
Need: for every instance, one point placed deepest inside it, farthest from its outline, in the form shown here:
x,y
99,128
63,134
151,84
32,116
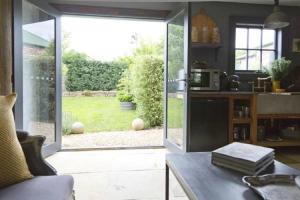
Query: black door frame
x,y
18,68
187,41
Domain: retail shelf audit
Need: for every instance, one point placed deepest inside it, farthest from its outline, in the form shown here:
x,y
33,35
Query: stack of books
x,y
246,158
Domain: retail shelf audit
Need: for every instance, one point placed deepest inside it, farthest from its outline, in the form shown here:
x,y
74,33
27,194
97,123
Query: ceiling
x,y
166,3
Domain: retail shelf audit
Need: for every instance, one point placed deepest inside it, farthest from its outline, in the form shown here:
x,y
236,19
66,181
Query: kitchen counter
x,y
230,93
218,93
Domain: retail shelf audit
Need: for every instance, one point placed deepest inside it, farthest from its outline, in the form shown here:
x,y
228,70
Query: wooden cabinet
x,y
250,121
242,122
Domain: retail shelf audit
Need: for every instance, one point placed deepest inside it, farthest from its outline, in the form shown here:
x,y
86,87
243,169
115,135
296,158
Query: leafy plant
x,y
124,87
279,69
148,92
125,97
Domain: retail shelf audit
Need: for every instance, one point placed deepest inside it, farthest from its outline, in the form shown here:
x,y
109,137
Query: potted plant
x,y
279,69
124,93
126,101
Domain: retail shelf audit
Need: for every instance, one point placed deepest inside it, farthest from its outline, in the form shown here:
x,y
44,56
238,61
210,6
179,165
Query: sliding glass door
x,y
39,84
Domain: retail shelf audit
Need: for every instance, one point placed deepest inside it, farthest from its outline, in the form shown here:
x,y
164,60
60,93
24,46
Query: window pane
x,y
254,60
254,38
241,38
268,39
268,58
240,60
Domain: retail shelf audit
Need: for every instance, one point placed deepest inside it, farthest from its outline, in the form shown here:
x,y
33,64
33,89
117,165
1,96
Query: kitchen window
x,y
255,47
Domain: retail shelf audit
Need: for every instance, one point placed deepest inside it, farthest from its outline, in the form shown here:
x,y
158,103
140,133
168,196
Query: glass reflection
x,y
39,72
175,115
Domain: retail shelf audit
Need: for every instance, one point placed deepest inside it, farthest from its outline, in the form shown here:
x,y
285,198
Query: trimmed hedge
x,y
93,75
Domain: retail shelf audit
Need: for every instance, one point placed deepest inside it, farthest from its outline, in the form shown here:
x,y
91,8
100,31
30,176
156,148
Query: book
x,y
247,158
247,172
245,154
246,167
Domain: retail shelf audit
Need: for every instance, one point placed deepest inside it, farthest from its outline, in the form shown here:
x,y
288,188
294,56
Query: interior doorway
x,y
112,82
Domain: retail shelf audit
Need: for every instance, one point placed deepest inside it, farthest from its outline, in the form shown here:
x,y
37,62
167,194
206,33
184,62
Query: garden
x,y
135,80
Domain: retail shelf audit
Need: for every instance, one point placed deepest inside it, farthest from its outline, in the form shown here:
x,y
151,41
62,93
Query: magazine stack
x,y
245,158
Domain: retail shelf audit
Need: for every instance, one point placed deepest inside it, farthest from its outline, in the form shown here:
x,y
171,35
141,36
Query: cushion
x,y
13,166
40,188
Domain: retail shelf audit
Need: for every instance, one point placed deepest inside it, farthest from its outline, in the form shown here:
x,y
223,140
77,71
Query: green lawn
x,y
99,113
104,113
175,113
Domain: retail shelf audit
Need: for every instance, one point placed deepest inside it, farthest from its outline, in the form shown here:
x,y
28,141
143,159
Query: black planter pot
x,y
127,106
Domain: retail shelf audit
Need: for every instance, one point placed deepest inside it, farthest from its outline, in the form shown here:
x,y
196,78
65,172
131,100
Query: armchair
x,y
46,184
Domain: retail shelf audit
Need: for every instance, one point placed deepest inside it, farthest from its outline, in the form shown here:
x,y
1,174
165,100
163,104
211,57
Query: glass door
x,y
176,84
40,83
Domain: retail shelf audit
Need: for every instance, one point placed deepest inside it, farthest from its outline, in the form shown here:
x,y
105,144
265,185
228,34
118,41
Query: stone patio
x,y
119,139
117,174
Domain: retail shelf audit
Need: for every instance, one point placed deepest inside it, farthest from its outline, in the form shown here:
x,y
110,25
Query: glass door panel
x,y
176,84
175,80
39,72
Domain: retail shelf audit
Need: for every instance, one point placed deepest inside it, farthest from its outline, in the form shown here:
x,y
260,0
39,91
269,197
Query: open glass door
x,y
38,78
176,84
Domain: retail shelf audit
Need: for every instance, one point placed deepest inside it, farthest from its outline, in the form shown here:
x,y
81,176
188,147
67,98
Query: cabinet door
x,y
176,84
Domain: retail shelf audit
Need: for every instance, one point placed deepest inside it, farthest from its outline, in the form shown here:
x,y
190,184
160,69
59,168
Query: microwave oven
x,y
205,79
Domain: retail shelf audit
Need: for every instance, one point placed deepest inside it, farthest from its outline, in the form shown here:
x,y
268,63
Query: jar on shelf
x,y
216,39
205,34
236,135
194,34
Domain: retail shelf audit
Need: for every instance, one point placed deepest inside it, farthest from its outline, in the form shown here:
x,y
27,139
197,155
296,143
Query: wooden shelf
x,y
244,141
241,120
278,116
205,45
283,143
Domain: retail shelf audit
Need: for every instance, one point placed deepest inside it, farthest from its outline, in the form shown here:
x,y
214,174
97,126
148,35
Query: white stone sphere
x,y
77,128
138,124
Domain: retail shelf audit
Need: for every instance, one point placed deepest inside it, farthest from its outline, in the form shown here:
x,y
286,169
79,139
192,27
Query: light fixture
x,y
277,19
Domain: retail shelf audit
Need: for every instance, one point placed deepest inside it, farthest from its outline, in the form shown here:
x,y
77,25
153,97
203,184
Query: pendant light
x,y
277,19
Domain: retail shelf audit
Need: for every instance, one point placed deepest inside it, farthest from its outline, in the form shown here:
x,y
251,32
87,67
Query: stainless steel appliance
x,y
205,79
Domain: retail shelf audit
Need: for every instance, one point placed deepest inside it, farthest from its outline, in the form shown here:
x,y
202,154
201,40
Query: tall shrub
x,y
148,89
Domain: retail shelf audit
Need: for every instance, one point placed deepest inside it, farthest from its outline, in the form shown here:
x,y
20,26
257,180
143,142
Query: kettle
x,y
224,82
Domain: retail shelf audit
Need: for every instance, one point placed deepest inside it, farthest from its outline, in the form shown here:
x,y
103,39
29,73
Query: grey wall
x,y
221,13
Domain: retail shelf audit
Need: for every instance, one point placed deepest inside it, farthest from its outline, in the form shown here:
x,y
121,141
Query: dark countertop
x,y
202,180
229,93
221,93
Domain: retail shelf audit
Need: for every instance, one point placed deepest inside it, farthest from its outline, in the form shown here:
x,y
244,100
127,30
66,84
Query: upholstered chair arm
x,y
32,147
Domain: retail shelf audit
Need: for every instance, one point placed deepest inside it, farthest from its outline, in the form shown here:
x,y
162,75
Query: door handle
x,y
184,79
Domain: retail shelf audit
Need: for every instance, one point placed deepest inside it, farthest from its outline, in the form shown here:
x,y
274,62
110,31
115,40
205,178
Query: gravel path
x,y
151,137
